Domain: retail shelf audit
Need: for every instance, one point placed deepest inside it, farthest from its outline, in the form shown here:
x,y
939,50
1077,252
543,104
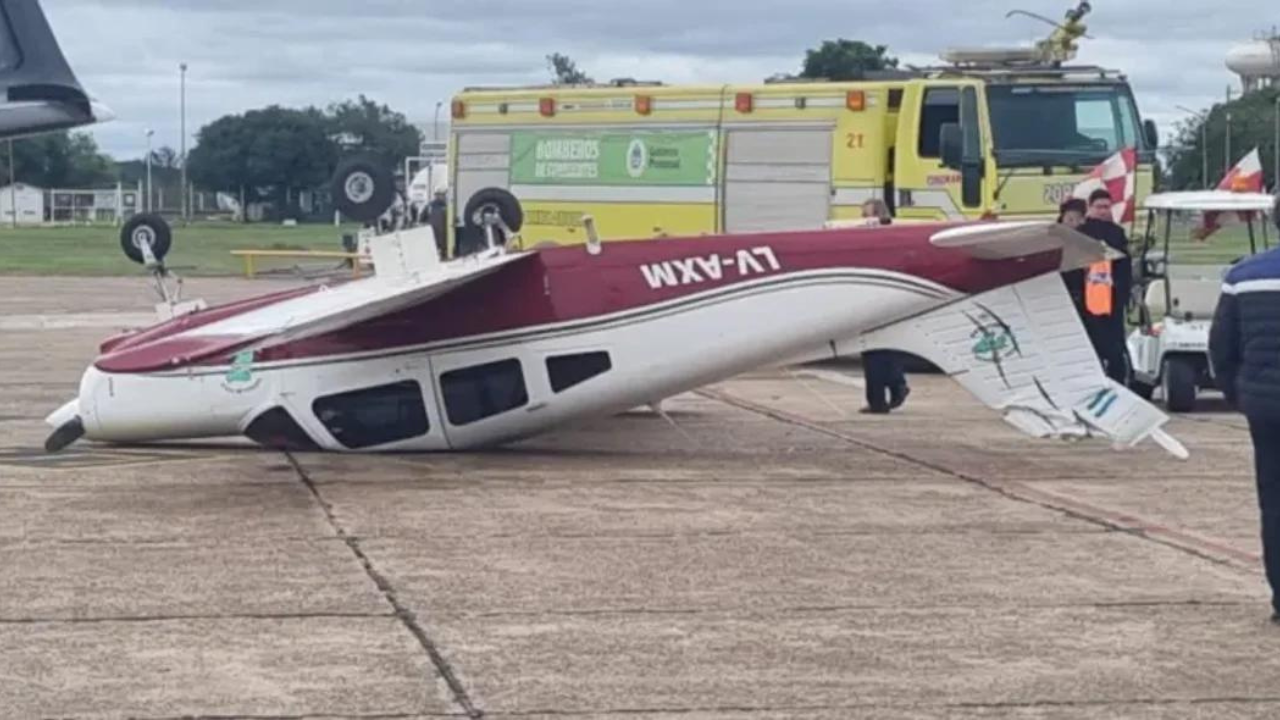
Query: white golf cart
x,y
1170,346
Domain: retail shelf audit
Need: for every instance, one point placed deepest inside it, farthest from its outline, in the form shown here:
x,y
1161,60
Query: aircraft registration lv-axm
x,y
429,355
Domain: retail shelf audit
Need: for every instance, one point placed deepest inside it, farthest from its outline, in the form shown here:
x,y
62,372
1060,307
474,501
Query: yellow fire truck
x,y
1004,133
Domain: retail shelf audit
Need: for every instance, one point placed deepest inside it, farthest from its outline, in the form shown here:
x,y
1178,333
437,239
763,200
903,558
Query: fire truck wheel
x,y
494,200
145,229
363,190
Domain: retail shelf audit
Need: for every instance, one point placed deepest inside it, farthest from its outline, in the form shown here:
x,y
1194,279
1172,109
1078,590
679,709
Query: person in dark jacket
x,y
1244,349
886,383
1106,331
437,214
1072,213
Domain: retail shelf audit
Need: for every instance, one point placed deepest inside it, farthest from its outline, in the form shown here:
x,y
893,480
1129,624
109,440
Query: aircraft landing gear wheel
x,y
494,201
1179,385
362,190
146,229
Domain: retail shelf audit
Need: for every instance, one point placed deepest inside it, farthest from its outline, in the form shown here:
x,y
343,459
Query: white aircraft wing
x,y
355,302
1023,351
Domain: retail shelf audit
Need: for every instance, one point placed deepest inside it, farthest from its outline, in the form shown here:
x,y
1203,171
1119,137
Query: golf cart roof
x,y
1211,200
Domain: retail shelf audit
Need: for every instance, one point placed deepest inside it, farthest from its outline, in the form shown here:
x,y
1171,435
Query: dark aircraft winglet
x,y
40,92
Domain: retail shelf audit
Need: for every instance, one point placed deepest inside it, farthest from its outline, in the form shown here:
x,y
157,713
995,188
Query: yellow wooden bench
x,y
250,255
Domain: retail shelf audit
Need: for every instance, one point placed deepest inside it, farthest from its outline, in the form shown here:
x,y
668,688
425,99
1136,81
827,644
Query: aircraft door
x,y
490,395
382,404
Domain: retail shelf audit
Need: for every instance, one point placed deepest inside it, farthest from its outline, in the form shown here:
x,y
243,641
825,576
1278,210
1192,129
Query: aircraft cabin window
x,y
566,371
483,391
374,416
276,429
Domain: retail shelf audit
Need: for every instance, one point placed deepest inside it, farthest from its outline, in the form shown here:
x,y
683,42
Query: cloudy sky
x,y
412,54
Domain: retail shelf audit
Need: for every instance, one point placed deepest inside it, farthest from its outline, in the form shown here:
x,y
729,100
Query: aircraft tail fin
x,y
38,91
1023,351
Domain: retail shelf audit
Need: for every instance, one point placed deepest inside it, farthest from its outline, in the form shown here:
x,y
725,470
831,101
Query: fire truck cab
x,y
1005,133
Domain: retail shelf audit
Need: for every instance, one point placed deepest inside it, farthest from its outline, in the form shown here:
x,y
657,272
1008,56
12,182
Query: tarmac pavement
x,y
769,554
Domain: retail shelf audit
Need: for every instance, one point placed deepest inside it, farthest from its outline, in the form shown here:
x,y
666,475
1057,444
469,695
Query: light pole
x,y
13,186
149,134
435,124
1226,161
183,151
1275,179
1204,143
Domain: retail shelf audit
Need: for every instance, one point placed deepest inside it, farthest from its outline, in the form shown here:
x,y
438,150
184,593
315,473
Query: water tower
x,y
1257,62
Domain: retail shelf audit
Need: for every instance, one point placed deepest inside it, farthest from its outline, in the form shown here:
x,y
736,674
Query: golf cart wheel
x,y
494,200
1142,390
363,190
1180,385
146,229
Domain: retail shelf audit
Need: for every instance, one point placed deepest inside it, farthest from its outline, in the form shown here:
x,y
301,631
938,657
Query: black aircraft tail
x,y
40,92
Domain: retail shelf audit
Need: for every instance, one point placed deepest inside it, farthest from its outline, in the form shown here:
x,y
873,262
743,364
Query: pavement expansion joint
x,y
871,707
185,541
800,533
189,618
1188,543
858,607
374,716
402,611
89,457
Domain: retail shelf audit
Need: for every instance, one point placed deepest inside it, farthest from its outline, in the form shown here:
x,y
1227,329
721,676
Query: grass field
x,y
198,249
205,248
1221,248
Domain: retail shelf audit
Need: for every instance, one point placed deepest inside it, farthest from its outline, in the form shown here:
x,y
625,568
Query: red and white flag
x,y
1118,175
1246,176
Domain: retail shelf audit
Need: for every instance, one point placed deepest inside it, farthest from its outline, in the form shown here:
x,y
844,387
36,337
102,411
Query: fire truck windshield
x,y
1054,124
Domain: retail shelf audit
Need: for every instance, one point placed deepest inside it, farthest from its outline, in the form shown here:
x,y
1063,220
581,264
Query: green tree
x,y
564,71
58,160
845,60
166,157
268,154
1253,124
364,126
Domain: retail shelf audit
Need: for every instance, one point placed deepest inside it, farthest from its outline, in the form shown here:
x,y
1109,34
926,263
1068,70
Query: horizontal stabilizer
x,y
1023,352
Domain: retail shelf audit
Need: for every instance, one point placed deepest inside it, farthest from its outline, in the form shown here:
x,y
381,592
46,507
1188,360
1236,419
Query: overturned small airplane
x,y
428,355
505,343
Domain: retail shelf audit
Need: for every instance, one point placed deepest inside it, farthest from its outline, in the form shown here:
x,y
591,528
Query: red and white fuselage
x,y
485,350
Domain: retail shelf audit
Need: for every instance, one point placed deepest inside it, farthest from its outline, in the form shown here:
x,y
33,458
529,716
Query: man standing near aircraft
x,y
1244,347
882,369
437,214
1102,291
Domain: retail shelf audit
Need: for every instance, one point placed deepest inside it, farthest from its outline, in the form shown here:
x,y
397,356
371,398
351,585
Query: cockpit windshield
x,y
1077,124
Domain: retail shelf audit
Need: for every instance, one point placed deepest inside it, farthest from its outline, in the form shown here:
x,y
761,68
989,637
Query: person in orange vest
x,y
1101,291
